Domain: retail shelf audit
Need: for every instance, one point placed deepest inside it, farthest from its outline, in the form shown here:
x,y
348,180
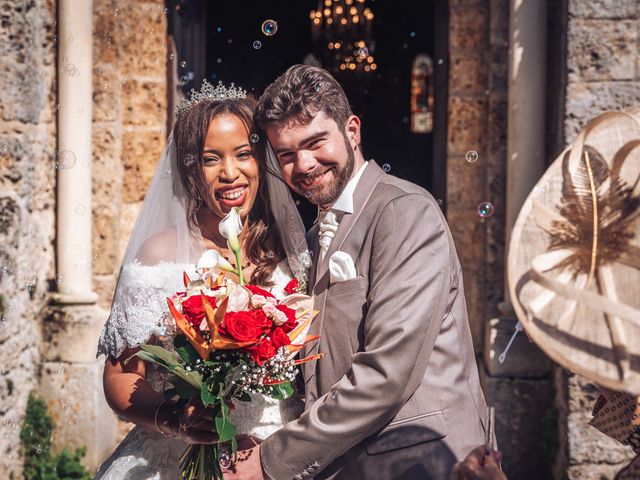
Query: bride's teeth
x,y
232,196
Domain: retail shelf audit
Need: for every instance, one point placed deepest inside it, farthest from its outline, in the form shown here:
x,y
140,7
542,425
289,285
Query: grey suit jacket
x,y
397,395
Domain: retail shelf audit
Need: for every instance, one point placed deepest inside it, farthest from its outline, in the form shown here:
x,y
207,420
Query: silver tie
x,y
328,228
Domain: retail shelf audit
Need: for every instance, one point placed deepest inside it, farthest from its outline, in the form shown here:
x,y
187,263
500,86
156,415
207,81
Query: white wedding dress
x,y
144,454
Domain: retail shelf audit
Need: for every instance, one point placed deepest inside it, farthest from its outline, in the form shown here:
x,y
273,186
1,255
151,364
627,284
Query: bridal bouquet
x,y
230,339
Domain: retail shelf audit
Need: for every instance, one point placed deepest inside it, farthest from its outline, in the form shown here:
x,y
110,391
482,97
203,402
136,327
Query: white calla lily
x,y
212,260
230,228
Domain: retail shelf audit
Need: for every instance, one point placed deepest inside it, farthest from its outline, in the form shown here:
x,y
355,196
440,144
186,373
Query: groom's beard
x,y
326,195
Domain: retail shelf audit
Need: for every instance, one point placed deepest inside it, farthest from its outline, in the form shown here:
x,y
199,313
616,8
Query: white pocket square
x,y
341,267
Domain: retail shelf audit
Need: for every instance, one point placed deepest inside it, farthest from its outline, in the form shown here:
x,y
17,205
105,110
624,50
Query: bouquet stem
x,y
238,256
201,462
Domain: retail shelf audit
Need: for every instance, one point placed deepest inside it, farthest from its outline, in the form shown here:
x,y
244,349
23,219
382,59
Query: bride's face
x,y
230,169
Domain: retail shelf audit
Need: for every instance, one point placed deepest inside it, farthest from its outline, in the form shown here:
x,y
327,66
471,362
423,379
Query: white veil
x,y
161,247
164,210
287,218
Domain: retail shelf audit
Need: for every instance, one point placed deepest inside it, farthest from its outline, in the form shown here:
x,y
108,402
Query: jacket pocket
x,y
353,285
407,432
345,308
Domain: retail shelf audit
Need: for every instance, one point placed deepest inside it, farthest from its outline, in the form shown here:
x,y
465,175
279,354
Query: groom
x,y
397,395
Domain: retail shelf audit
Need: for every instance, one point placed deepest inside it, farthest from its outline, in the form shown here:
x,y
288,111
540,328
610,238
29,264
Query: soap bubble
x,y
254,138
485,209
183,64
269,27
362,52
257,44
386,167
65,159
471,156
71,70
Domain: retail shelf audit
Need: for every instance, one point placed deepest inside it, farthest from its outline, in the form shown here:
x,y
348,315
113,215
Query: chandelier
x,y
342,31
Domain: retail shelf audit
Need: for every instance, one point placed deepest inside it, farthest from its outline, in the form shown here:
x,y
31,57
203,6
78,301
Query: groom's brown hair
x,y
298,95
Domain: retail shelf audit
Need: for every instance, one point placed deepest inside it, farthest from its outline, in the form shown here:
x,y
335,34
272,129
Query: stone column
x,y
71,379
525,165
75,90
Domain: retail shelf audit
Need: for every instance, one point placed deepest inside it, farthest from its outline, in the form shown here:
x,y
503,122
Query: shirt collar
x,y
344,203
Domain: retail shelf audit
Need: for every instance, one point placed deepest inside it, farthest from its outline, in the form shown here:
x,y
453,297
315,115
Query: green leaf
x,y
194,378
169,358
187,353
225,428
208,397
182,388
157,355
281,391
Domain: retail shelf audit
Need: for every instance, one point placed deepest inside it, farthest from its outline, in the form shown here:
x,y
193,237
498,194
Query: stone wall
x,y
603,57
130,102
478,105
27,208
129,126
471,104
603,73
38,340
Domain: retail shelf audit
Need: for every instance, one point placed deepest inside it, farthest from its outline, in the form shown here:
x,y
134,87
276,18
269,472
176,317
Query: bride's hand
x,y
195,424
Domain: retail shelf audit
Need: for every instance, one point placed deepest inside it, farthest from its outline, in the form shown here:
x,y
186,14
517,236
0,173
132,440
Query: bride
x,y
208,167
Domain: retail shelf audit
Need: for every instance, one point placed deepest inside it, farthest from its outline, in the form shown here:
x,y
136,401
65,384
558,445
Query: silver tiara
x,y
209,92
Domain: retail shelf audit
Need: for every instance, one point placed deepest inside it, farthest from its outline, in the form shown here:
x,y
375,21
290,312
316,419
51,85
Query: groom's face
x,y
317,158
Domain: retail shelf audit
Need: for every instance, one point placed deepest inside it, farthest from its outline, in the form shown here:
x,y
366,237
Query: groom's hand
x,y
248,466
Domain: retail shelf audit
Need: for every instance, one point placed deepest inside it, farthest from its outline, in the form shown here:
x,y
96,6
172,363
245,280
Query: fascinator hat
x,y
574,255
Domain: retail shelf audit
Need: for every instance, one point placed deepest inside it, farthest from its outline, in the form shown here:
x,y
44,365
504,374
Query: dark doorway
x,y
224,41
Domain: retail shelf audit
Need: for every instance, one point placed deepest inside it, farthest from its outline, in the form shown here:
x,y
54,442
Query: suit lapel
x,y
319,276
364,189
314,248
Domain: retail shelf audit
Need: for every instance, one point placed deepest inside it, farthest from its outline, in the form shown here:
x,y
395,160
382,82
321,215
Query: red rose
x,y
261,319
292,287
262,351
279,338
244,326
194,311
259,291
291,322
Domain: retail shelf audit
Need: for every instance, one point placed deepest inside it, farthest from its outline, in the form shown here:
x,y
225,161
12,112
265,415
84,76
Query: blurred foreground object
x,y
574,255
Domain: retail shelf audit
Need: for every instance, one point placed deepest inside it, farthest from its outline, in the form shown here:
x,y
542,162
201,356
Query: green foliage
x,y
282,391
35,439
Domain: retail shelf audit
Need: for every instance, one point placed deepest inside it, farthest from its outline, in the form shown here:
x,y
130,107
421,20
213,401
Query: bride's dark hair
x,y
262,244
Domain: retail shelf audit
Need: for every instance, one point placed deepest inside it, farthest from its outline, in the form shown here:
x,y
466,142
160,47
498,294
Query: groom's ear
x,y
352,129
